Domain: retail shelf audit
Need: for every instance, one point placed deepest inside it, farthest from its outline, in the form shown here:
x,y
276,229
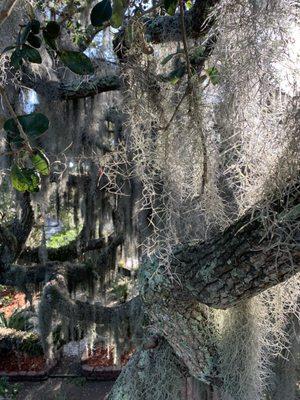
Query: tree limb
x,y
242,261
55,301
72,250
6,9
59,300
164,29
54,91
88,89
20,276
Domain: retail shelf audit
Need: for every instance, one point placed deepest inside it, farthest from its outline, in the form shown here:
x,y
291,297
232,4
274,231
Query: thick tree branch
x,y
126,318
54,91
141,377
58,299
165,29
21,276
77,275
98,85
242,261
21,228
73,250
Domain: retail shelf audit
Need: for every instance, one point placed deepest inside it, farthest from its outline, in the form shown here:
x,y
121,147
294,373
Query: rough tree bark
x,y
239,263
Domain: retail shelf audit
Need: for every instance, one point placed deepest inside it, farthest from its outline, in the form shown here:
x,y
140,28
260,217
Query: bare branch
x,y
6,9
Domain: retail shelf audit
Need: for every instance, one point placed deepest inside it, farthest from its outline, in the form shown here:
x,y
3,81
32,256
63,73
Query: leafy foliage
x,y
175,75
34,40
167,59
213,75
40,162
52,30
31,345
51,33
7,389
101,13
117,13
77,62
19,320
49,41
24,52
25,179
34,125
170,6
35,26
62,238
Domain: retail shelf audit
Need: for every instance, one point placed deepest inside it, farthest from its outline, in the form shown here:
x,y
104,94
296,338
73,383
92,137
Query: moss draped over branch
x,y
123,321
57,297
72,250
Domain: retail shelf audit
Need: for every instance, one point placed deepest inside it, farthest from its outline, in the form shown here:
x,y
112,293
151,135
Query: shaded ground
x,y
73,387
69,388
64,389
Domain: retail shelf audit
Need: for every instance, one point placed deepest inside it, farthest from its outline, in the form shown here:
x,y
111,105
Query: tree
x,y
205,147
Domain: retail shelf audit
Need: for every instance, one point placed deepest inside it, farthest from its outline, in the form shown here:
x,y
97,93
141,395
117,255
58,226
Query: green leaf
x,y
175,75
24,179
167,59
31,54
213,75
77,62
40,162
189,4
35,26
34,40
117,13
52,29
25,53
170,6
101,13
34,179
16,139
16,59
34,125
197,55
3,321
49,41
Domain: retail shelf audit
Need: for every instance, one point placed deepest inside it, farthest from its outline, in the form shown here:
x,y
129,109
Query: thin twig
x,y
184,40
15,117
176,109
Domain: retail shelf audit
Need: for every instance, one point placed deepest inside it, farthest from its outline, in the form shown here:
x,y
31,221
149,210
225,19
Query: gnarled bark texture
x,y
222,272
